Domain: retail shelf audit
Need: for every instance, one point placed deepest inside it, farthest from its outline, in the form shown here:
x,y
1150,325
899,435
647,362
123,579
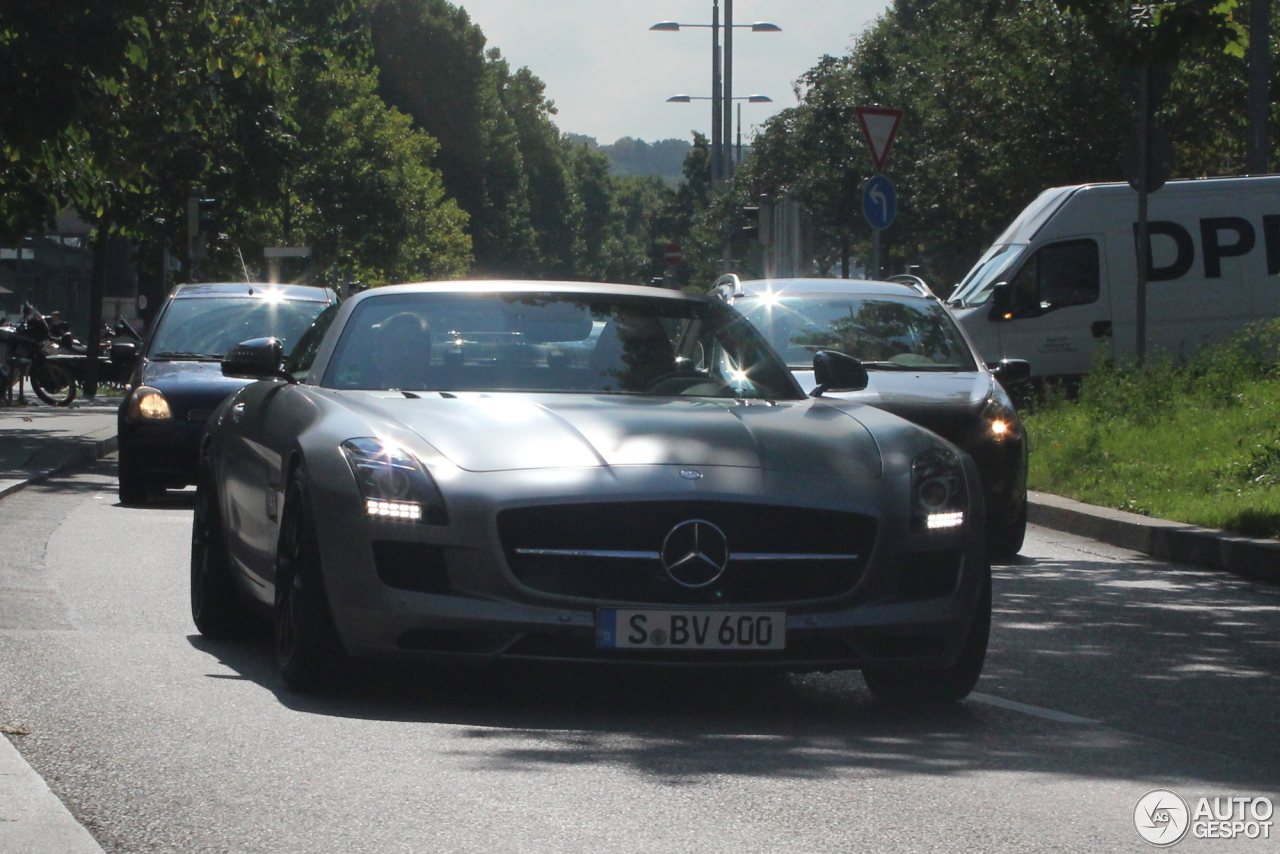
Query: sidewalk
x,y
36,442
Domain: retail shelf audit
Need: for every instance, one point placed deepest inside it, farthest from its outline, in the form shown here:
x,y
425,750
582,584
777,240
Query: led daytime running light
x,y
404,510
935,521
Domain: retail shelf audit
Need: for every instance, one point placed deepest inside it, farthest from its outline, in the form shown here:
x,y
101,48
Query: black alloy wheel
x,y
216,608
309,653
942,684
53,384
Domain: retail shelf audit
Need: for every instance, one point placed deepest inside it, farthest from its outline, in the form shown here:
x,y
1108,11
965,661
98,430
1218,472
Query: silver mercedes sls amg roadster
x,y
473,471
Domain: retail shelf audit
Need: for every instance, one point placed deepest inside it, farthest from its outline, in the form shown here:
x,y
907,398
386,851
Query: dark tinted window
x,y
552,342
1057,276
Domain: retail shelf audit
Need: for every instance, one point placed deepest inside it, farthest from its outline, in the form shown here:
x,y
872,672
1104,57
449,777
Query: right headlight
x,y
999,420
939,494
148,404
393,483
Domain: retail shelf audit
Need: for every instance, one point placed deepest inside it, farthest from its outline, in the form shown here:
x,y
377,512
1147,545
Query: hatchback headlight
x,y
939,493
149,404
393,483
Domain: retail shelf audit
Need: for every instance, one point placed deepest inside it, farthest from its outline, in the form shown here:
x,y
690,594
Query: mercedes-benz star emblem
x,y
695,553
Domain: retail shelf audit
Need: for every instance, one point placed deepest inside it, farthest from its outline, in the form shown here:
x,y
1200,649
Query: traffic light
x,y
751,226
207,218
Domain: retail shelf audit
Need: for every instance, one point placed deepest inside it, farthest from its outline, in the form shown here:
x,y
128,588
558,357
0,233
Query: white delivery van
x,y
1061,280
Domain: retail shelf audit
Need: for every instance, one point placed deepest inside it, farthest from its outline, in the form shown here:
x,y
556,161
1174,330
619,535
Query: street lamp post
x,y
721,84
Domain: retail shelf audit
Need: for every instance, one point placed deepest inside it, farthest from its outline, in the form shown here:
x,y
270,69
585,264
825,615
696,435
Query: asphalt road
x,y
1110,674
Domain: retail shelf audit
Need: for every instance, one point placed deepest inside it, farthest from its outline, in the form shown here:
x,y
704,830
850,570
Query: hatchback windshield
x,y
204,329
545,342
885,332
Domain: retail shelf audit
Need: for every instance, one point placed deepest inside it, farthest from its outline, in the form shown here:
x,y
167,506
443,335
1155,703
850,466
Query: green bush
x,y
1196,442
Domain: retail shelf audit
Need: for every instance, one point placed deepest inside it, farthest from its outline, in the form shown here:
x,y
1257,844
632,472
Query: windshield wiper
x,y
186,356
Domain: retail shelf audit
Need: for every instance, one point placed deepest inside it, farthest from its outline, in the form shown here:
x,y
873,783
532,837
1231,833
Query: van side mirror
x,y
1011,372
837,372
1001,303
256,359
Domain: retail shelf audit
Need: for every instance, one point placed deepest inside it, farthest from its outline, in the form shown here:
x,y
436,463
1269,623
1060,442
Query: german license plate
x,y
657,628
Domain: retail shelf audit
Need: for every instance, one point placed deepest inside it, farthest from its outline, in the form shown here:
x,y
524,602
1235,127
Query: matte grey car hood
x,y
500,432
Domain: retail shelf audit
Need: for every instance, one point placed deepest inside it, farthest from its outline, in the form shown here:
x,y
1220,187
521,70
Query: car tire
x,y
1005,537
309,653
942,684
216,608
134,490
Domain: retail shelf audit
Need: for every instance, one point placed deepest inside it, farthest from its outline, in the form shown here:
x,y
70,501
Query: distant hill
x,y
628,156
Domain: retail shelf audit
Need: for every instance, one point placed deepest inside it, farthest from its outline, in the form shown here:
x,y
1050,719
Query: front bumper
x,y
910,606
164,454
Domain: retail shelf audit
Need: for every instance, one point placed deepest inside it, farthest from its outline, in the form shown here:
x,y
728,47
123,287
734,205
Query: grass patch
x,y
1197,443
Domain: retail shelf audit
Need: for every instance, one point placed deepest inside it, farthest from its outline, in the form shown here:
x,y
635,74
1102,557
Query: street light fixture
x,y
752,99
721,115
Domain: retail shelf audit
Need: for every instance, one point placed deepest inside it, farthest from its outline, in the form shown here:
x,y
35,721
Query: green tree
x,y
359,187
433,66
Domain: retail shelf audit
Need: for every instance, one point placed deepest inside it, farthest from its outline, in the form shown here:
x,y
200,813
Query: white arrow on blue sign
x,y
879,202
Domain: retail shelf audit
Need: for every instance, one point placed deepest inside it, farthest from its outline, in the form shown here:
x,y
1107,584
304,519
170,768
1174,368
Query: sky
x,y
610,77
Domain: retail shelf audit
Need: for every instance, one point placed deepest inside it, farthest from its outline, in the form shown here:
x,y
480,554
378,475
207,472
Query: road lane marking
x,y
1034,711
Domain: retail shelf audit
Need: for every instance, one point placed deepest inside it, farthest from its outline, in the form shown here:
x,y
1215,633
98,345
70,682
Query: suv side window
x,y
1057,276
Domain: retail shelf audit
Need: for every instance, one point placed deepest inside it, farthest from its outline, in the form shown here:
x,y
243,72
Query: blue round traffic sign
x,y
879,202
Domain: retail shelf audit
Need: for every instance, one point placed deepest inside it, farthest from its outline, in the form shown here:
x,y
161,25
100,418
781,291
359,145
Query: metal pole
x,y
727,97
1143,247
717,128
1259,96
874,272
738,154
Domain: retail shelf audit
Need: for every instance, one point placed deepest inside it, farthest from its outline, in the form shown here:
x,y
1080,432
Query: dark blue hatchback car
x,y
177,378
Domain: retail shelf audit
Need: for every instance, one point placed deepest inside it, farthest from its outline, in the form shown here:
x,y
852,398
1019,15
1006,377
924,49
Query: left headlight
x,y
393,483
149,404
1000,421
939,493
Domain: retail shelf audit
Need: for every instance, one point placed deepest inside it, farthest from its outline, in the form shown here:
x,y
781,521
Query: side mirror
x,y
837,372
257,359
124,353
1001,302
1011,372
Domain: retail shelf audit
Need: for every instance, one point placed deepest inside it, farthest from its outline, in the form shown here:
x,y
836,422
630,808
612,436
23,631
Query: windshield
x,y
547,342
992,268
883,332
204,329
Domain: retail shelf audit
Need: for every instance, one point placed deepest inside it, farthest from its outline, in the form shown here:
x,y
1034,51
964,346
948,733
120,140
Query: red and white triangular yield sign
x,y
879,126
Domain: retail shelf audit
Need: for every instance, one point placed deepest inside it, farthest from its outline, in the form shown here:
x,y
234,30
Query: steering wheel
x,y
676,382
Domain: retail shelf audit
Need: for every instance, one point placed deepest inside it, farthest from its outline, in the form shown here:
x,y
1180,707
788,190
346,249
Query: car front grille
x,y
612,551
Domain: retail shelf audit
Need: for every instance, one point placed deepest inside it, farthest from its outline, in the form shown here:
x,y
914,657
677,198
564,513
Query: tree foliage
x,y
1003,98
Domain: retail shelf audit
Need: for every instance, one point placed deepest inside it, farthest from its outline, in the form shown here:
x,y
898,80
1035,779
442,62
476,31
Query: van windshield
x,y
994,267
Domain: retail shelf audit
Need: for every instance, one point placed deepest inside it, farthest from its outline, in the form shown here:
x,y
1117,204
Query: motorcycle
x,y
24,354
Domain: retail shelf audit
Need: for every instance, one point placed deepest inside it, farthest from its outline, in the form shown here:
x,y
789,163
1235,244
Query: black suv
x,y
920,366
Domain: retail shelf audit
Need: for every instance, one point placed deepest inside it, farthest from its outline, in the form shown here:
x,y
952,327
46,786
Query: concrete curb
x,y
32,818
81,454
1244,556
